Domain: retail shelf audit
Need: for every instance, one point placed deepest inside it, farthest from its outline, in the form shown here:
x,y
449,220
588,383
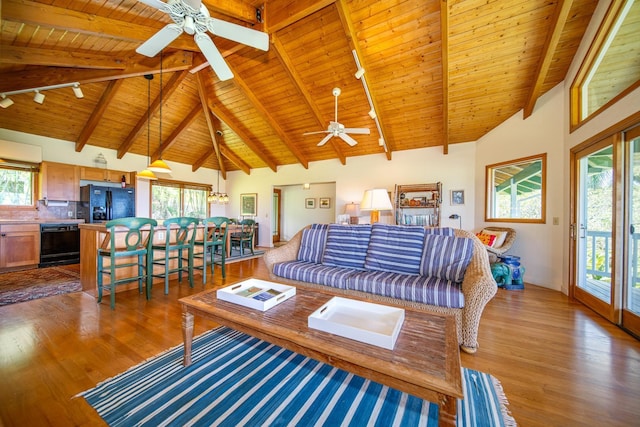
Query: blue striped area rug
x,y
238,380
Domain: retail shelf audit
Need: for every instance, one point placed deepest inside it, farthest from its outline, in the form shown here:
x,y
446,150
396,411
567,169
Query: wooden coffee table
x,y
425,361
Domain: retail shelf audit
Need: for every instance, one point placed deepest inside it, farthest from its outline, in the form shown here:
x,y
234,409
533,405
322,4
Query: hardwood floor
x,y
559,363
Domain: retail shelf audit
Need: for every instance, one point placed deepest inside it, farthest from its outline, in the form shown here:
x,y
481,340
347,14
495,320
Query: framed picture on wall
x,y
325,202
249,204
310,203
457,197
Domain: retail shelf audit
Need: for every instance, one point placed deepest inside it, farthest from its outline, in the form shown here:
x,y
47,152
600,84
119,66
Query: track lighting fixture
x,y
359,73
38,97
6,102
77,91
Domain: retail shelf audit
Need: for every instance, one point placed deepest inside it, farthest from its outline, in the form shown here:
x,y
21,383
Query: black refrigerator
x,y
99,204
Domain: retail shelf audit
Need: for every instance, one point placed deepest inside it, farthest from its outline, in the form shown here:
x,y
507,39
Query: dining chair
x,y
179,239
244,236
214,237
127,246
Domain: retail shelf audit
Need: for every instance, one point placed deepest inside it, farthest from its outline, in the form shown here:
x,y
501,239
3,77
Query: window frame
x,y
182,186
489,194
34,170
590,61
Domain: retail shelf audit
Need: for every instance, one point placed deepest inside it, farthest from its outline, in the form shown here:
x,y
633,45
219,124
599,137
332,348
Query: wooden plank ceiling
x,y
499,57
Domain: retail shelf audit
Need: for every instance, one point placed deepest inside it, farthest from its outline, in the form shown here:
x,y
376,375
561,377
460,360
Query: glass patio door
x,y
595,261
631,294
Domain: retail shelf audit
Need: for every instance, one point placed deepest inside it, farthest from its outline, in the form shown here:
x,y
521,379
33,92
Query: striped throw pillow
x,y
312,244
347,245
446,257
395,248
441,231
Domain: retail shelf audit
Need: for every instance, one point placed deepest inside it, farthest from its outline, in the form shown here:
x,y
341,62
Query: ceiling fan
x,y
337,129
192,17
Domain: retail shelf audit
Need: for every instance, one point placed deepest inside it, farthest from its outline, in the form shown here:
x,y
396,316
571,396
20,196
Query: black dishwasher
x,y
59,244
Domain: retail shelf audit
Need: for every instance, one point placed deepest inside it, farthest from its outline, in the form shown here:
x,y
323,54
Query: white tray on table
x,y
358,320
256,293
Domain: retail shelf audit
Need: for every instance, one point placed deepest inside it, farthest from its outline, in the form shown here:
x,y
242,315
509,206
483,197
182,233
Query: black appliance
x,y
59,244
100,204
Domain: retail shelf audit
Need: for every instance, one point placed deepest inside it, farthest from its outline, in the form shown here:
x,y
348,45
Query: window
x,y
172,199
17,184
516,190
611,68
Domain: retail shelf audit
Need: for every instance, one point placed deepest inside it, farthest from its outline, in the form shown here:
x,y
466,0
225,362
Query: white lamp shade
x,y
376,199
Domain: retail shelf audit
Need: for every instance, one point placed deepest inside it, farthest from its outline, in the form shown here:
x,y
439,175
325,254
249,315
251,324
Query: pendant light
x,y
159,165
218,197
146,173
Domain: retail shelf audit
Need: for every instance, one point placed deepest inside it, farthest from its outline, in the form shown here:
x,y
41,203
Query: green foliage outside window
x,y
170,200
16,187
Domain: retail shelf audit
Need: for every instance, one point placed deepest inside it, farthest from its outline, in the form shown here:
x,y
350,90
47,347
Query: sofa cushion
x,y
441,231
446,257
335,277
346,245
312,244
422,289
396,248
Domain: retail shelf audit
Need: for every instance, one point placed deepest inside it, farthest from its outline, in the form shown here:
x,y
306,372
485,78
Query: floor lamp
x,y
375,200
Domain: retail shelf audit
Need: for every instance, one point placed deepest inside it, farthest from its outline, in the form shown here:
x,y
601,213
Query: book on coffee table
x,y
257,294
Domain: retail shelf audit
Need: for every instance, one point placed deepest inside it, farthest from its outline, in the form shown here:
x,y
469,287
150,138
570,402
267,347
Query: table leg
x,y
187,335
447,411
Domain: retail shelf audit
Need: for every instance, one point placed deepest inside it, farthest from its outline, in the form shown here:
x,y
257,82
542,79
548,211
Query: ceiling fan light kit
x,y
193,18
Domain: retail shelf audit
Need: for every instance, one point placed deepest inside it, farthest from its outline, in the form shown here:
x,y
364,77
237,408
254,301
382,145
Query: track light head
x,y
38,97
6,102
359,73
372,114
77,91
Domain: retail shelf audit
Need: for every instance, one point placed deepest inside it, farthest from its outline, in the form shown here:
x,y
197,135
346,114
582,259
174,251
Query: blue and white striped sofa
x,y
433,269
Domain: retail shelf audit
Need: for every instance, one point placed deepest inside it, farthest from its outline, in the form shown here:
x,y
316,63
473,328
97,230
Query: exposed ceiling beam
x,y
219,141
282,13
235,159
202,92
444,59
96,115
248,93
282,55
167,90
350,32
248,139
553,38
60,58
234,8
167,143
24,11
47,76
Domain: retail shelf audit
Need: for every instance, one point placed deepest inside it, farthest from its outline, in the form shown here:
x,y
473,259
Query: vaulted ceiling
x,y
438,72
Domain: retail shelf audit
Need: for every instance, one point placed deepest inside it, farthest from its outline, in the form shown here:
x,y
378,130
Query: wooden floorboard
x,y
559,363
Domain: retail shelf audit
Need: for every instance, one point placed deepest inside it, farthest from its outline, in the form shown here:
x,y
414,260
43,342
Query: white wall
x,y
294,213
538,245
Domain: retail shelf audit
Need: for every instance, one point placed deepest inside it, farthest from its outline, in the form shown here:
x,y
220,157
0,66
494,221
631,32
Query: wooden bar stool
x,y
132,251
214,236
179,237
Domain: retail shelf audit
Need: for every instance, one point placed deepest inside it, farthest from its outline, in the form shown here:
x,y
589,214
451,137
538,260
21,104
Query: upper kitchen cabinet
x,y
59,181
105,175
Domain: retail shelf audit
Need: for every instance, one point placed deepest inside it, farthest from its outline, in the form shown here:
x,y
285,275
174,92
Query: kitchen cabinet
x,y
105,175
59,181
19,245
418,204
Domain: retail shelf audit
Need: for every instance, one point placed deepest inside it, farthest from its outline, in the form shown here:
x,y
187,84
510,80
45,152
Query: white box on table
x,y
266,294
358,320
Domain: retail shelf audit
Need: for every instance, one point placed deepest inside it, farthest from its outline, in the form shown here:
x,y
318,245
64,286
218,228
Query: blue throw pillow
x,y
446,257
347,245
312,244
444,231
395,248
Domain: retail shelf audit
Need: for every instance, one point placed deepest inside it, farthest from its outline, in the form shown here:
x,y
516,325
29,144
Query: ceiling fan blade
x,y
239,34
159,40
195,4
361,131
325,139
215,59
313,133
346,138
154,3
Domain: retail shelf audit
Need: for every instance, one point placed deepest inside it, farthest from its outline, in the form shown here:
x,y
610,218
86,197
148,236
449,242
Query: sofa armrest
x,y
478,288
286,252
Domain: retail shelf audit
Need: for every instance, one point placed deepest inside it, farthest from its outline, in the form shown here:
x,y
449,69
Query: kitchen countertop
x,y
42,221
